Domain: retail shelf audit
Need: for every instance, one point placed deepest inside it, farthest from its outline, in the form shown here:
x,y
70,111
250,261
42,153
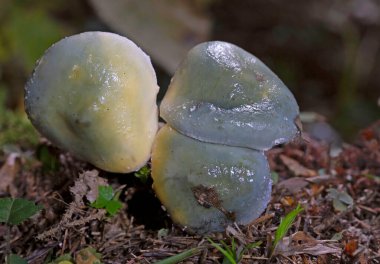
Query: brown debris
x,y
87,186
296,168
306,173
302,243
8,172
208,197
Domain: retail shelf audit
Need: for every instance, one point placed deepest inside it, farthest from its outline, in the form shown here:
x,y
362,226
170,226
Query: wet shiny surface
x,y
223,94
94,94
239,176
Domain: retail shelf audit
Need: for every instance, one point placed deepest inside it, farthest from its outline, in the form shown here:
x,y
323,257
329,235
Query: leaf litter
x,y
344,231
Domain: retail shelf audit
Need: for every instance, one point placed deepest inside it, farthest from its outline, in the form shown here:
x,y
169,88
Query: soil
x,y
331,228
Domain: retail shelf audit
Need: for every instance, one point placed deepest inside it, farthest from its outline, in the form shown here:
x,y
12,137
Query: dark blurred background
x,y
325,51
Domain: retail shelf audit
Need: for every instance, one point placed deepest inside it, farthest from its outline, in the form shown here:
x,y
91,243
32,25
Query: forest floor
x,y
340,222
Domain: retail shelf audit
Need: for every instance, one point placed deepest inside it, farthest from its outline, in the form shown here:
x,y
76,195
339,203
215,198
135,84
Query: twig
x,y
286,257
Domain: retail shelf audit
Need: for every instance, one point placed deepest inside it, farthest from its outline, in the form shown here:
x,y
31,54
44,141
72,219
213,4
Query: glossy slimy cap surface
x,y
94,94
225,95
207,186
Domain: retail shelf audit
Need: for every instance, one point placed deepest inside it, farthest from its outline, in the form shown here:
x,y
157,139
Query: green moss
x,y
15,128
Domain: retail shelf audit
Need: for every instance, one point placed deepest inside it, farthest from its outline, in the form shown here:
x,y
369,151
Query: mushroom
x,y
223,108
94,94
207,186
225,95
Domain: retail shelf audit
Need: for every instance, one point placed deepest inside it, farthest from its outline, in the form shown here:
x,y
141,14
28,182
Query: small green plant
x,y
275,177
85,255
14,212
180,257
376,178
64,259
233,254
284,226
49,161
143,174
15,259
107,199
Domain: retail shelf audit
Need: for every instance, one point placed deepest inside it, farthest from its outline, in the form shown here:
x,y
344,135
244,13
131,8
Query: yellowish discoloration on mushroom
x,y
94,94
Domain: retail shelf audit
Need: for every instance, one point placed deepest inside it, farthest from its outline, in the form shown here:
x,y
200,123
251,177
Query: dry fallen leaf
x,y
236,234
341,199
287,201
295,167
362,259
8,173
88,256
301,243
350,247
294,184
87,186
302,237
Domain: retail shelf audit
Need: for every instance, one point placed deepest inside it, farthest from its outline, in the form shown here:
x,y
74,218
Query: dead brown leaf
x,y
296,168
87,186
287,201
302,243
294,184
237,234
362,259
302,237
8,173
87,256
350,247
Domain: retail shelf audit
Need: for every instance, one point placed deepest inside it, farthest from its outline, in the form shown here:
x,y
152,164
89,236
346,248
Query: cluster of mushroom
x,y
94,94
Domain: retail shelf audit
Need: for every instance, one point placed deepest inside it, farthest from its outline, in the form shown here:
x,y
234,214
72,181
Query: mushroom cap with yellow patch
x,y
94,94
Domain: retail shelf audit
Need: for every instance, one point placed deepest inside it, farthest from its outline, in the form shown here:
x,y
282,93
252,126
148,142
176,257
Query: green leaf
x,y
105,195
113,207
249,246
107,199
284,226
225,252
143,174
49,162
15,211
337,236
253,245
64,259
373,177
226,261
179,257
230,249
15,259
163,232
233,254
275,177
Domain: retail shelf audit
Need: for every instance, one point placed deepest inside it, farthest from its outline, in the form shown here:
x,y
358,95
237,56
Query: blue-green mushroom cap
x,y
206,187
223,94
